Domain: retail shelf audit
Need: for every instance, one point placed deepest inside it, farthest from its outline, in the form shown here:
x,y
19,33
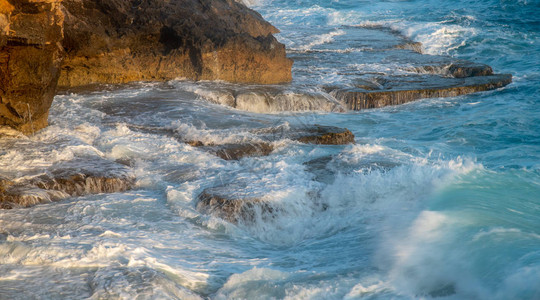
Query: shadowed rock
x,y
232,208
119,41
309,134
325,168
320,170
65,180
232,151
237,151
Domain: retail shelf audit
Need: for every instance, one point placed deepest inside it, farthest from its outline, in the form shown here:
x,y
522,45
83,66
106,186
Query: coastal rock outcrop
x,y
397,90
312,134
390,69
118,41
220,203
30,59
65,180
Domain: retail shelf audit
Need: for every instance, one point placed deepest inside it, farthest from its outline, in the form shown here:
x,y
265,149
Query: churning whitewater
x,y
436,199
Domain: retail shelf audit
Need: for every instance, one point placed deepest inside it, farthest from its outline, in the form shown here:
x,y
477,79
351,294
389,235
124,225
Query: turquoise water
x,y
438,198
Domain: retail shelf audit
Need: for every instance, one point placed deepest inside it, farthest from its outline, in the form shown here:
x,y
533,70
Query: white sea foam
x,y
320,39
436,37
250,2
252,284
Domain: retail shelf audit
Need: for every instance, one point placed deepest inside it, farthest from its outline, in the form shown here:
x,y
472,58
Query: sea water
x,y
438,198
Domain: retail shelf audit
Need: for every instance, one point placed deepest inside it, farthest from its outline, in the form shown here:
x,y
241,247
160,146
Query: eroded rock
x,y
265,99
65,180
233,208
30,59
119,41
325,135
315,134
399,90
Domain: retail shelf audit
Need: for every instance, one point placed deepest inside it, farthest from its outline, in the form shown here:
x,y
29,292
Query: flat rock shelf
x,y
362,67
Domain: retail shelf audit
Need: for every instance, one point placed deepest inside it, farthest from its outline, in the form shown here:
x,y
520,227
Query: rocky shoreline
x,y
50,44
71,43
30,59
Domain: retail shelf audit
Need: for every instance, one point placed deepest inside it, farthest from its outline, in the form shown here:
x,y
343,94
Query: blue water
x,y
439,198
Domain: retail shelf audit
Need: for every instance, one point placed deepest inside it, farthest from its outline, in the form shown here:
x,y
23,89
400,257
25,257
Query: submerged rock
x,y
265,99
131,40
30,58
232,208
237,151
325,135
65,180
413,46
315,134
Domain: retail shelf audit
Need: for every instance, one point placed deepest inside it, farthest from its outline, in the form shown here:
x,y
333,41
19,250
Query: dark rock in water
x,y
399,90
30,58
413,46
237,151
315,134
325,135
309,134
325,168
319,168
65,180
234,209
119,41
234,151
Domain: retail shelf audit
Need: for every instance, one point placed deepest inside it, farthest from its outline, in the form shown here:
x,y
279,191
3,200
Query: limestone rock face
x,y
118,41
30,58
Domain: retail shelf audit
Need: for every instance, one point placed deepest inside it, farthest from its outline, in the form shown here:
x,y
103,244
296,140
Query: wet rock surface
x,y
30,58
234,208
265,99
237,151
395,90
121,41
376,66
313,134
65,180
325,135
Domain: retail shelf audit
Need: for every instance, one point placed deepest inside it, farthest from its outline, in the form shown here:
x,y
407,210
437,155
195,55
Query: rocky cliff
x,y
30,58
118,41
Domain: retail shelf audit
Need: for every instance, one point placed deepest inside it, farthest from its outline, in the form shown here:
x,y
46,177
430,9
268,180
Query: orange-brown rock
x,y
326,135
118,41
30,58
64,181
400,90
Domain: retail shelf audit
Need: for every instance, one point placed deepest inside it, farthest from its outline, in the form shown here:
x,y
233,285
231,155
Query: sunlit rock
x,y
30,58
122,41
